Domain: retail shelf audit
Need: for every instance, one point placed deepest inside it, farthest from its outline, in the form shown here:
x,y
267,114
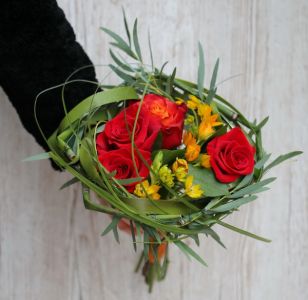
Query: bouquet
x,y
165,158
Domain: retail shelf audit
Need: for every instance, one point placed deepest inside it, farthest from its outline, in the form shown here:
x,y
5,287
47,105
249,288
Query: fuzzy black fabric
x,y
38,50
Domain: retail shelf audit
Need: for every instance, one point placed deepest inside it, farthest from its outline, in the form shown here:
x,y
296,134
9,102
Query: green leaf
x,y
261,124
121,74
119,62
136,41
282,158
214,235
129,180
262,161
150,48
189,252
132,229
214,75
201,70
234,204
120,43
126,26
244,232
69,182
41,156
207,181
253,188
213,88
114,223
170,155
245,181
170,81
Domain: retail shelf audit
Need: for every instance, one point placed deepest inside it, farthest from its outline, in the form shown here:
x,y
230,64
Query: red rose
x,y
171,117
120,160
117,132
231,155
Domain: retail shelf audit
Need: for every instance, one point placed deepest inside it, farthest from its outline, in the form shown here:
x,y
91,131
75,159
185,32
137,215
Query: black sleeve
x,y
38,50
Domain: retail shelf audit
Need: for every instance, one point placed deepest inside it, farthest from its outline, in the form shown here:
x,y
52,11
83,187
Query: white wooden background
x,y
50,246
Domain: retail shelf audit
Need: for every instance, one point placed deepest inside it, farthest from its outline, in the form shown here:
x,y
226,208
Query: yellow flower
x,y
205,161
205,130
193,191
204,110
144,189
192,148
180,169
166,176
193,102
189,120
208,121
188,138
192,151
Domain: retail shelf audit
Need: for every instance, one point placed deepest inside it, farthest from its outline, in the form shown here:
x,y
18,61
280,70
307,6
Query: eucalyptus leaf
x,y
41,156
190,252
253,188
201,70
207,181
282,158
234,204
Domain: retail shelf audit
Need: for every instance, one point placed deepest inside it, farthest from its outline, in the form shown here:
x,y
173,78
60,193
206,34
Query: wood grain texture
x,y
50,246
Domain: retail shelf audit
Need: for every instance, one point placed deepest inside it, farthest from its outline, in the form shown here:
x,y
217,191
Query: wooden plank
x,y
50,246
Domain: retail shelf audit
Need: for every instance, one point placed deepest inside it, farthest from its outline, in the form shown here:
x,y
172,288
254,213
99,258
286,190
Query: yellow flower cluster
x,y
144,189
166,176
192,147
180,169
193,191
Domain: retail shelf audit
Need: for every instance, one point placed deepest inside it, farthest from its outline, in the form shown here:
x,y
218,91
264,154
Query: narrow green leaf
x,y
121,74
253,188
214,235
261,124
41,156
201,70
244,232
262,161
119,62
132,229
69,182
113,223
116,234
245,181
136,41
120,43
150,48
214,75
282,158
126,26
129,180
188,251
234,204
170,81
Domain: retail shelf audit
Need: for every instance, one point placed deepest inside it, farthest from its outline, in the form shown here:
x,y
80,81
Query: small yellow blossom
x,y
188,138
192,148
166,176
144,189
192,151
205,130
193,102
208,121
205,161
180,169
204,110
193,191
189,120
